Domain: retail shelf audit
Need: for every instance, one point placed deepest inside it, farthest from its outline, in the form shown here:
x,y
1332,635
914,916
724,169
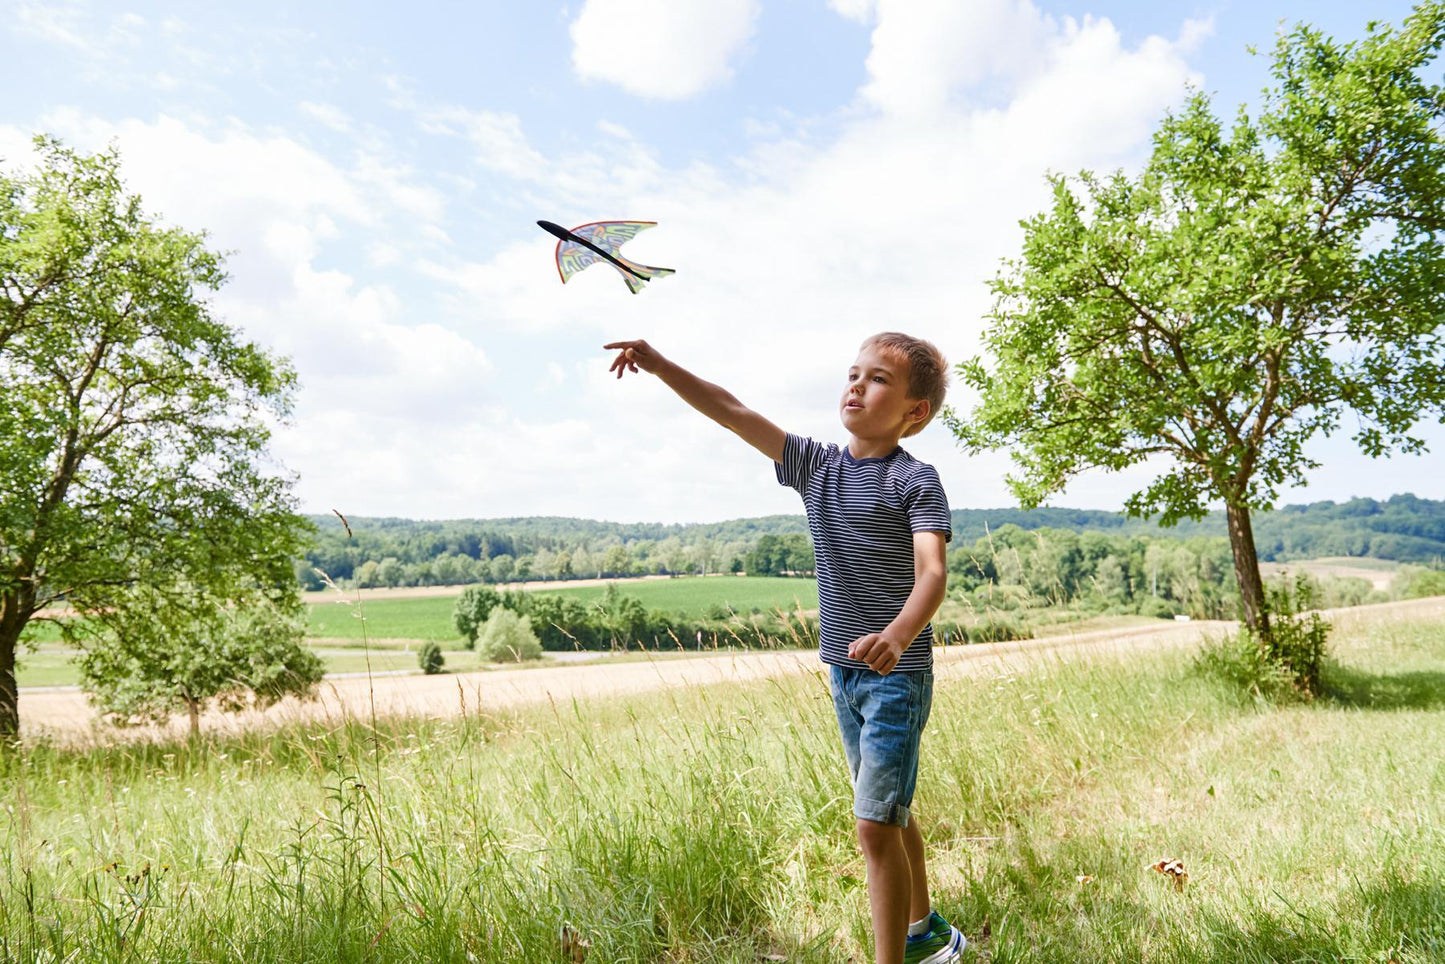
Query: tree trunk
x,y
9,696
1246,571
10,626
193,710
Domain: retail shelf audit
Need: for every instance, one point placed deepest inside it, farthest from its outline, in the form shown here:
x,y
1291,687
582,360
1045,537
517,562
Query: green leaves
x,y
133,424
172,648
1240,294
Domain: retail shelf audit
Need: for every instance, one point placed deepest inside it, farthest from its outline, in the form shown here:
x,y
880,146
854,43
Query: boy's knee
x,y
878,838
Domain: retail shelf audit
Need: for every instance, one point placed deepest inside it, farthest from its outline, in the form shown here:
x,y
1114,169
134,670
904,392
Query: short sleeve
x,y
927,505
801,456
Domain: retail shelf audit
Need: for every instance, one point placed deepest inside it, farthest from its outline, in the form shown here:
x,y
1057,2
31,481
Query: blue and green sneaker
x,y
941,944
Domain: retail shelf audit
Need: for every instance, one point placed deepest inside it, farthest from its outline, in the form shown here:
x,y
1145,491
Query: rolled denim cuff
x,y
895,814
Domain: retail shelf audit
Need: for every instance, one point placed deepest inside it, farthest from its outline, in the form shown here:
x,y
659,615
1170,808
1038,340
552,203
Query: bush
x,y
508,638
1416,582
1241,661
1288,661
1296,643
430,658
996,628
1158,608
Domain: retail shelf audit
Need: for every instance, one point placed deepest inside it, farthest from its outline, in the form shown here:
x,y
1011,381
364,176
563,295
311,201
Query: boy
x,y
879,521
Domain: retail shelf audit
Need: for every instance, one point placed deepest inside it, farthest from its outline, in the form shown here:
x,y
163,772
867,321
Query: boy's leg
x,y
920,904
881,719
890,886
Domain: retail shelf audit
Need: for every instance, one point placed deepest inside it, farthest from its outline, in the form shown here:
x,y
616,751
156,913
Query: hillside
x,y
1403,528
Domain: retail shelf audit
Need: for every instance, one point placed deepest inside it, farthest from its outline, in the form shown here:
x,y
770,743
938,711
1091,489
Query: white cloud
x,y
859,10
365,356
327,115
58,23
925,50
788,258
665,49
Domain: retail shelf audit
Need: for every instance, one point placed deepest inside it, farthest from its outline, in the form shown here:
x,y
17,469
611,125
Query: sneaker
x,y
941,944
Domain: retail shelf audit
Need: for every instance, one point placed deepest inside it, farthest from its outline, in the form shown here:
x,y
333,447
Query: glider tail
x,y
640,272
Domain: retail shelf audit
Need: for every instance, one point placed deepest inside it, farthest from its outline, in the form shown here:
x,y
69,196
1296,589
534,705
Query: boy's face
x,y
875,400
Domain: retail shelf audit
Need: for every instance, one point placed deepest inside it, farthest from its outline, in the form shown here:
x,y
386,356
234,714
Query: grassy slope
x,y
713,825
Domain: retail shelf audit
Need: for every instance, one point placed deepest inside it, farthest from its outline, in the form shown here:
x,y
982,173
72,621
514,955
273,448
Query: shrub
x,y
997,628
1416,582
1240,660
1296,643
1158,608
430,658
507,637
1288,661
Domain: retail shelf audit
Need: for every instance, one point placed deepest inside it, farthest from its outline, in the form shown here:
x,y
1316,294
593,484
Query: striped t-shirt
x,y
862,514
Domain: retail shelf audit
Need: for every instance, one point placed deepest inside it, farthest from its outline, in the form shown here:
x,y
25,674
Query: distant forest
x,y
407,552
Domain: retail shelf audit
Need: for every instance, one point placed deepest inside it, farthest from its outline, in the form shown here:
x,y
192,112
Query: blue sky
x,y
376,170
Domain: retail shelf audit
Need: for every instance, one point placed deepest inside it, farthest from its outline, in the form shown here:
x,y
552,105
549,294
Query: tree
x,y
501,567
429,657
508,638
617,561
471,610
1236,297
134,473
390,572
368,574
179,652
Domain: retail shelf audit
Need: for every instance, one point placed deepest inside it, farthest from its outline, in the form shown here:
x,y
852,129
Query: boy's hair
x,y
927,371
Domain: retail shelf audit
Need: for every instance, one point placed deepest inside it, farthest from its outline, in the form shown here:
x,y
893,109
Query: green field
x,y
394,624
431,617
713,825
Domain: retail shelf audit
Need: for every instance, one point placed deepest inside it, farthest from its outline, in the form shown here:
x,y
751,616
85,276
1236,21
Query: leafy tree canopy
x,y
1240,294
134,475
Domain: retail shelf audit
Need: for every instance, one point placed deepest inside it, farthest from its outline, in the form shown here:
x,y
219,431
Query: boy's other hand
x,y
632,355
878,650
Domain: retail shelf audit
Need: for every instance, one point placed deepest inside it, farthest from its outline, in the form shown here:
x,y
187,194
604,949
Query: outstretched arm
x,y
712,400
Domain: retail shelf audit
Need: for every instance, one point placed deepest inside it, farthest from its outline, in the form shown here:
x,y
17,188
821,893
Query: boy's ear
x,y
920,412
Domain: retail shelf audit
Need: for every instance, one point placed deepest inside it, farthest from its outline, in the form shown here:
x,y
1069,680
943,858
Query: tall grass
x,y
714,824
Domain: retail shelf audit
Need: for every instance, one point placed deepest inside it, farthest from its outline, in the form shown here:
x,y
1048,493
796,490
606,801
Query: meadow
x,y
713,824
431,617
395,627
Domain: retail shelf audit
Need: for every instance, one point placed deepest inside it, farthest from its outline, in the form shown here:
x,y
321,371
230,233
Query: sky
x,y
819,171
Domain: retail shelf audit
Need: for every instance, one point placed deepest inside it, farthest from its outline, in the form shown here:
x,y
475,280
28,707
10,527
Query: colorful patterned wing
x,y
610,236
572,258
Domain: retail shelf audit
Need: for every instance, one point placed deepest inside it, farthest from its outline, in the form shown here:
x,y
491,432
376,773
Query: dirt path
x,y
65,716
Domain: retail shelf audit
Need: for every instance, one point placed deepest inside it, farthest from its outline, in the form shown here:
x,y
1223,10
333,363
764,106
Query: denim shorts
x,y
881,719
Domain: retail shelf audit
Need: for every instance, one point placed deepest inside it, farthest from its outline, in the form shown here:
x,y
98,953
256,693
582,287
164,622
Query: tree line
x,y
400,552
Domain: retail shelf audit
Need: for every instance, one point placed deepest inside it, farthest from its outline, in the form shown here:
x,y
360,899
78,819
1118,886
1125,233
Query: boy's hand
x,y
633,355
879,651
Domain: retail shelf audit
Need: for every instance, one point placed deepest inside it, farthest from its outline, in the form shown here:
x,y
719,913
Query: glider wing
x,y
610,236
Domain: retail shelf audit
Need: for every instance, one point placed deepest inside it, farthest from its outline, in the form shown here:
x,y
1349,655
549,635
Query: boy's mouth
x,y
854,404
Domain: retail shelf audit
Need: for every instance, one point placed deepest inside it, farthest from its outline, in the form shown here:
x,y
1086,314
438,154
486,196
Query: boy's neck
x,y
872,448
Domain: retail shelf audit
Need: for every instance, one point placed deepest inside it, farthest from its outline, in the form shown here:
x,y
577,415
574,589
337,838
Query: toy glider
x,y
588,244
